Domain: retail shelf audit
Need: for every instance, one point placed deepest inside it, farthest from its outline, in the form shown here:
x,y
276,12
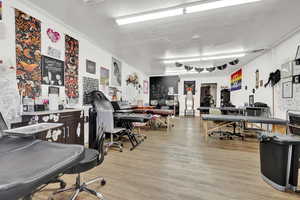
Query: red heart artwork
x,y
53,36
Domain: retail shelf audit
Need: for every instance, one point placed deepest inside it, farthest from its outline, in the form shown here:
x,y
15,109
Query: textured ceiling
x,y
247,27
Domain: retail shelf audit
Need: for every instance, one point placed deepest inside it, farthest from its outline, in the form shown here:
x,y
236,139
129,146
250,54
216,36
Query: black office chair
x,y
92,158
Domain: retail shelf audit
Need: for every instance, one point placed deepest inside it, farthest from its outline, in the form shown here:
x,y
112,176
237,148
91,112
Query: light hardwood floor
x,y
180,165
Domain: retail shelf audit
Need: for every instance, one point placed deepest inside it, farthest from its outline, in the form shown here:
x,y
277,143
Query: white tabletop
x,y
32,130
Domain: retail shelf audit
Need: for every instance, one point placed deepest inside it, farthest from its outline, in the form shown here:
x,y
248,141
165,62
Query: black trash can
x,y
279,160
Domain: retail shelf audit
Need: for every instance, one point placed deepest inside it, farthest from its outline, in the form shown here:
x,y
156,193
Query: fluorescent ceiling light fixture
x,y
182,60
217,4
149,16
223,57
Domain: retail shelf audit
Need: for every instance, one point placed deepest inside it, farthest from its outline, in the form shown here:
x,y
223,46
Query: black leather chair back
x,y
97,98
3,125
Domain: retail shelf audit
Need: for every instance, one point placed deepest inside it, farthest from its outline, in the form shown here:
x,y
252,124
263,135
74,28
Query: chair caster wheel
x,y
103,182
62,185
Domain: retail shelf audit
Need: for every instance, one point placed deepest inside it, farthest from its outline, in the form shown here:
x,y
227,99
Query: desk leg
x,y
205,126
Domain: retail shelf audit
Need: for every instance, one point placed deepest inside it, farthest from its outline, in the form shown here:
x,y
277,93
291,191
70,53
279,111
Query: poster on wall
x,y
71,68
55,53
52,71
89,85
104,76
287,70
189,86
236,80
1,10
90,67
257,79
28,54
287,89
116,73
146,87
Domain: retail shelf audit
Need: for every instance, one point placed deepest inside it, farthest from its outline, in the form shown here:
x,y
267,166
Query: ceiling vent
x,y
92,2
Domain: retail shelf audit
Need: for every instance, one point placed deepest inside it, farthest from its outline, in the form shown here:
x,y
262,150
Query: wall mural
x,y
28,54
71,68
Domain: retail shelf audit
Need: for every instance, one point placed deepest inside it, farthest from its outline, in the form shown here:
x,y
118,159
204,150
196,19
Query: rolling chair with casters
x,y
114,132
224,135
92,158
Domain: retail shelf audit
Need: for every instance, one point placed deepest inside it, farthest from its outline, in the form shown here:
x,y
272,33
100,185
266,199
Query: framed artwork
x,y
52,71
251,100
189,86
287,89
53,90
116,73
90,67
287,70
297,59
296,79
104,76
146,87
261,83
257,79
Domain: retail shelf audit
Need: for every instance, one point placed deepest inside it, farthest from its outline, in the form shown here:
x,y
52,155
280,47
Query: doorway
x,y
208,94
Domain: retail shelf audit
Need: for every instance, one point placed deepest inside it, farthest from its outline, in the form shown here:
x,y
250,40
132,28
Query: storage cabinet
x,y
72,131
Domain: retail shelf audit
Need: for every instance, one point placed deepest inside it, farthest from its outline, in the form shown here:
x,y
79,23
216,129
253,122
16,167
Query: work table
x,y
48,112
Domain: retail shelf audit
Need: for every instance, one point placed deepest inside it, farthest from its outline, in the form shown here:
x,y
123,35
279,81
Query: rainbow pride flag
x,y
236,80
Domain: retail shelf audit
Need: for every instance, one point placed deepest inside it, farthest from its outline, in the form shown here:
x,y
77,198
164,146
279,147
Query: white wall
x,y
222,81
267,63
87,49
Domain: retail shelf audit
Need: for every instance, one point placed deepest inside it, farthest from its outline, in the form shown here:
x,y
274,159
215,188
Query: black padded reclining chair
x,y
92,157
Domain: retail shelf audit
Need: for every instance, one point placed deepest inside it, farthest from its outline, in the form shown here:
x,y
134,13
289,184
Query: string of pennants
x,y
209,69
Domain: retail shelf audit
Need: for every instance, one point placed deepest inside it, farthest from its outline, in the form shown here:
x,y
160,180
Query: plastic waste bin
x,y
279,160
